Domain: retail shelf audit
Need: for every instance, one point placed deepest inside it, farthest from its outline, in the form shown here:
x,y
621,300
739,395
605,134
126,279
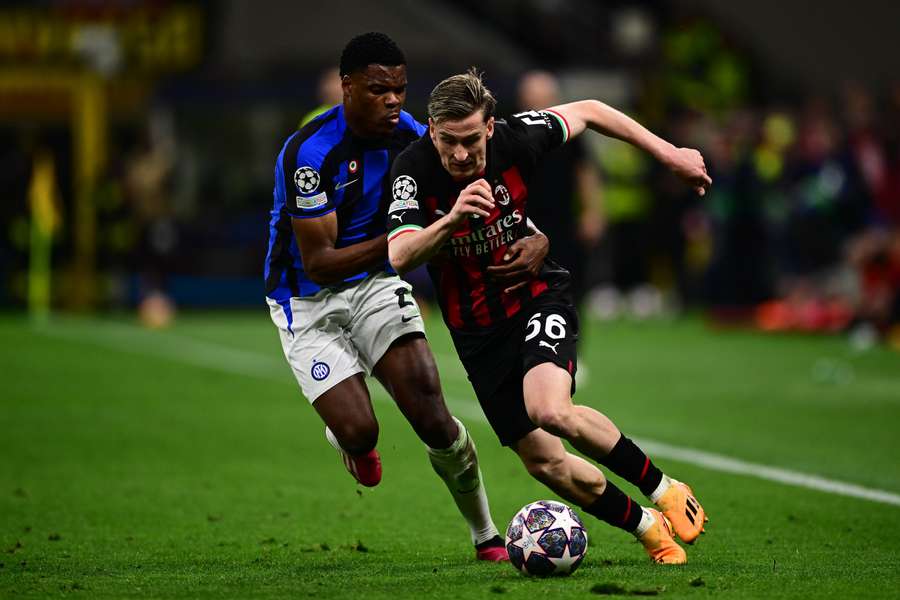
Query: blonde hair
x,y
459,96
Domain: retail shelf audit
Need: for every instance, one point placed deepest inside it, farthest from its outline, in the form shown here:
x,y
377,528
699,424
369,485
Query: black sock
x,y
494,542
630,463
617,509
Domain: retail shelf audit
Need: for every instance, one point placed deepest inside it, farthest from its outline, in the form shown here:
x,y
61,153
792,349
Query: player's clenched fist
x,y
475,200
688,164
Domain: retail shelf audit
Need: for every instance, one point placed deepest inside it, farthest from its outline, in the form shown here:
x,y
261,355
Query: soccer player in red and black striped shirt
x,y
459,200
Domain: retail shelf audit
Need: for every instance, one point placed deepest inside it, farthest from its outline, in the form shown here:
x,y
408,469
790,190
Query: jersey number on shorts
x,y
401,297
554,326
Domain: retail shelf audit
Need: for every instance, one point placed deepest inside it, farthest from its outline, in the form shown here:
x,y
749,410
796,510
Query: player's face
x,y
462,145
373,99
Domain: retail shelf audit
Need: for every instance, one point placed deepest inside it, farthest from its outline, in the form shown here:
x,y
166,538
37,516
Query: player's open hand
x,y
522,262
476,200
688,164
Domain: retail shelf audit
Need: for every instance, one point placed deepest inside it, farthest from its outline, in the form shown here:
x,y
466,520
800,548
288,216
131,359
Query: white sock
x,y
458,467
647,521
664,484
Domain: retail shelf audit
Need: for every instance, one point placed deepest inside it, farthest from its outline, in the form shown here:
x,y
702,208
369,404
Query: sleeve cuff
x,y
312,216
403,229
563,123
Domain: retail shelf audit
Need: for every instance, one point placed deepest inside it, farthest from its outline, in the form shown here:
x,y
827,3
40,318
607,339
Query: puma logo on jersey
x,y
399,217
551,346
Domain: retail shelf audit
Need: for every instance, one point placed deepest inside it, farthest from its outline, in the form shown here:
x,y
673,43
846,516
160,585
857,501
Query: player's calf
x,y
675,499
547,389
458,466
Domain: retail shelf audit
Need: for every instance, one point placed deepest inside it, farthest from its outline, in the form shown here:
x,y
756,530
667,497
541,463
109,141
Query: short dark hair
x,y
459,96
371,48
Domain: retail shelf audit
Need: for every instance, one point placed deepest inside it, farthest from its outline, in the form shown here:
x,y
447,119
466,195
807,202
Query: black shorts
x,y
496,361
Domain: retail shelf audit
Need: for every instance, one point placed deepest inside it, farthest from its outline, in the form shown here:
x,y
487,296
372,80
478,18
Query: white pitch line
x,y
726,464
223,358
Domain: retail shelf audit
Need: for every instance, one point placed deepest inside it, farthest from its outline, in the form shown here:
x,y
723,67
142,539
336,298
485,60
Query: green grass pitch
x,y
185,463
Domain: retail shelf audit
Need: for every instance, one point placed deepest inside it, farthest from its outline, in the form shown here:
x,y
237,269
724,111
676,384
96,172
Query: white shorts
x,y
343,331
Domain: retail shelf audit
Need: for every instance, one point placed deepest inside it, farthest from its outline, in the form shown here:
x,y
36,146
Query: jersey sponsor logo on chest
x,y
487,238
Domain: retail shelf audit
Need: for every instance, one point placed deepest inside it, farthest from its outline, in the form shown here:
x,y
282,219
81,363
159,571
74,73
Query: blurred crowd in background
x,y
800,231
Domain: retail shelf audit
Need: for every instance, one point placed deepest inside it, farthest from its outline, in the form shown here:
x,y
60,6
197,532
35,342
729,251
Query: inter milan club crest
x,y
320,370
501,194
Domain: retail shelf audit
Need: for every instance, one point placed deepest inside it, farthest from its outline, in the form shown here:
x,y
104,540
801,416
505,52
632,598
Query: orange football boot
x,y
659,543
683,511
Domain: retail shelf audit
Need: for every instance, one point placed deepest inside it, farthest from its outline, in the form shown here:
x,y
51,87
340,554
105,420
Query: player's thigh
x,y
408,372
503,405
408,364
383,311
546,388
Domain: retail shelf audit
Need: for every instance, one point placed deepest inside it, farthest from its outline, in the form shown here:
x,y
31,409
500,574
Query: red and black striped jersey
x,y
423,191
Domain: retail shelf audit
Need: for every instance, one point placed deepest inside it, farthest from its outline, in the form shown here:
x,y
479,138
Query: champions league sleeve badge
x,y
306,179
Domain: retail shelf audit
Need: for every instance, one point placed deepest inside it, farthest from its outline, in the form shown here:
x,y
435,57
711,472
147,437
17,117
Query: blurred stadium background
x,y
137,144
139,137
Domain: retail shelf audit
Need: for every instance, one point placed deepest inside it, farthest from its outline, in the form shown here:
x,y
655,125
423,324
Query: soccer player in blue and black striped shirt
x,y
341,310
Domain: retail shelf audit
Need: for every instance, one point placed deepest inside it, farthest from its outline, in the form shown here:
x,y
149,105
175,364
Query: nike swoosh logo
x,y
341,186
406,319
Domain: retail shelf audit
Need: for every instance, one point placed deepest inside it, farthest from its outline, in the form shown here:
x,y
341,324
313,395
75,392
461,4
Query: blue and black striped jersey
x,y
325,168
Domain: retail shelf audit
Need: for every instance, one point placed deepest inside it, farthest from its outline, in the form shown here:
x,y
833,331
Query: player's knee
x,y
556,419
357,437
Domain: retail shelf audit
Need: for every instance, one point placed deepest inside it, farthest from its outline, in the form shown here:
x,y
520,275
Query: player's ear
x,y
431,132
490,127
346,85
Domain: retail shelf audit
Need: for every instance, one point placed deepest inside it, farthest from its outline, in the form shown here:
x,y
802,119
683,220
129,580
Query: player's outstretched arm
x,y
326,264
687,163
407,249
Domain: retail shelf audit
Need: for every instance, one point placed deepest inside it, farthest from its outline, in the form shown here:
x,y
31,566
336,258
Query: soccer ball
x,y
546,538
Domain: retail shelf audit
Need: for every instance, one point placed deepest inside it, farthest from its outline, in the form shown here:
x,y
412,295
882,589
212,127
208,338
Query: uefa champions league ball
x,y
546,538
